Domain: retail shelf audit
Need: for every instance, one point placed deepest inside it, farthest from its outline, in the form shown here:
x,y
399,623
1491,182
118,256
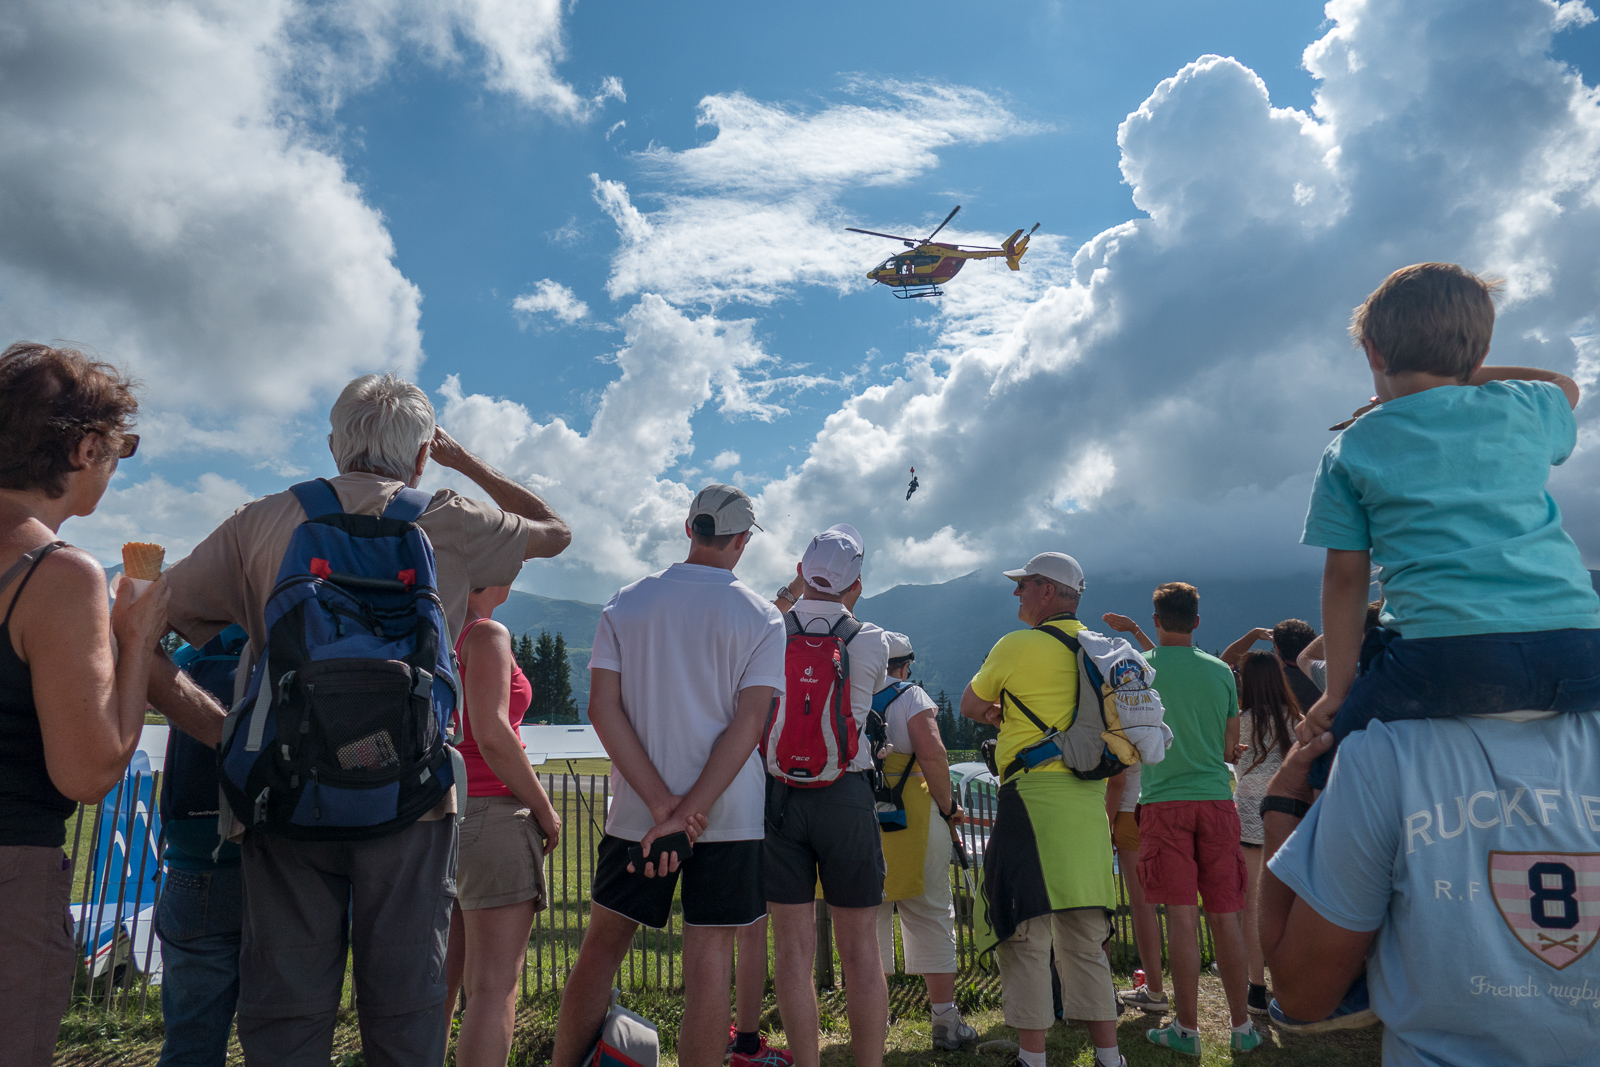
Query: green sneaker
x,y
1168,1037
1246,1042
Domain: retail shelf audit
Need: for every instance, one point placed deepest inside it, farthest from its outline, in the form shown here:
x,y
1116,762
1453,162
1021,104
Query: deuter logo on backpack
x,y
342,732
812,736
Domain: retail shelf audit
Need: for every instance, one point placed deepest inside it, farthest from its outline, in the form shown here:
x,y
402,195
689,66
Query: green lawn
x,y
138,1042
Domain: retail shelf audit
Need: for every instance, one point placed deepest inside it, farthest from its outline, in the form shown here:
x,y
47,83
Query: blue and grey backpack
x,y
342,733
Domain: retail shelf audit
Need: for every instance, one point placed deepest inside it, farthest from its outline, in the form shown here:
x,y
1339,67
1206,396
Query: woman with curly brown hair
x,y
70,709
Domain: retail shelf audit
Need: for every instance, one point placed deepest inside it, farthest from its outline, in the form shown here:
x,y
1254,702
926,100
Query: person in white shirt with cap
x,y
685,666
917,843
830,834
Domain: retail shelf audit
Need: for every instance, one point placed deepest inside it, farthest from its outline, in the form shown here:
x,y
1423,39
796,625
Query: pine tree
x,y
523,652
550,677
561,698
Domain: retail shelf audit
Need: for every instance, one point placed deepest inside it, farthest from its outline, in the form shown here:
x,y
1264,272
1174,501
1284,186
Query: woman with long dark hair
x,y
1267,717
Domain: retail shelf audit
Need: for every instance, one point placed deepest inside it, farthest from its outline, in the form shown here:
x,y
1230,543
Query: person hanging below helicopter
x,y
912,488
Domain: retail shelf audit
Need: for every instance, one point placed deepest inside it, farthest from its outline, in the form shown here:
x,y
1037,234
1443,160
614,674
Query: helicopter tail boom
x,y
1014,248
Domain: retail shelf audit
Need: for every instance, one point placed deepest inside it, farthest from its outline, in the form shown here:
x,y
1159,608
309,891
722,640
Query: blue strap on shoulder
x,y
317,498
888,695
408,505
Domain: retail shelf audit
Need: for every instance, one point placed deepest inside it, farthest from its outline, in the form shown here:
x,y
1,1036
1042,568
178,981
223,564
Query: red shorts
x,y
1190,847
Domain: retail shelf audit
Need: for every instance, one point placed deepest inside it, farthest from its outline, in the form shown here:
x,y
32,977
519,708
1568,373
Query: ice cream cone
x,y
142,560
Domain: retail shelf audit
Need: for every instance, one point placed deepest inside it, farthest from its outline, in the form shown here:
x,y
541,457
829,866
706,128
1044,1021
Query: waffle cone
x,y
142,560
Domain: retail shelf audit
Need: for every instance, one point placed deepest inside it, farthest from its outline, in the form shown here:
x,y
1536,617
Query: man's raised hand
x,y
1120,623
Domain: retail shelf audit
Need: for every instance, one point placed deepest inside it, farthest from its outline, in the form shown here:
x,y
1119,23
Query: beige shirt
x,y
230,575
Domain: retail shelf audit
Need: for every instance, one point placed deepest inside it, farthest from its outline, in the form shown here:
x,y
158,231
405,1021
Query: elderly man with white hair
x,y
388,897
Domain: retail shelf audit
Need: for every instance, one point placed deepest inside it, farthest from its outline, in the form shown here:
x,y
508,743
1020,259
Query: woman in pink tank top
x,y
508,827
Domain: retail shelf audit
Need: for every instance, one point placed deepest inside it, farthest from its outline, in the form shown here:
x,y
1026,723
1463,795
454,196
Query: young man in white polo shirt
x,y
830,834
685,666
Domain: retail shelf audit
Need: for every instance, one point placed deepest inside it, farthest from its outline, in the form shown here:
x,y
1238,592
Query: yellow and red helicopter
x,y
920,271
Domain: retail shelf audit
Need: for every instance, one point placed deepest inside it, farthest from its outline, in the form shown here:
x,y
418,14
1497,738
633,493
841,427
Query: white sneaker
x,y
951,1032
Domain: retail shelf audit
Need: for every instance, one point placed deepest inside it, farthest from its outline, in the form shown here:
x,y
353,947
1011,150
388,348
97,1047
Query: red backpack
x,y
812,736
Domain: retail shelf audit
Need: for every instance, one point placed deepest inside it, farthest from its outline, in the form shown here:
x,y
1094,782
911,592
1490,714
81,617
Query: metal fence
x,y
115,851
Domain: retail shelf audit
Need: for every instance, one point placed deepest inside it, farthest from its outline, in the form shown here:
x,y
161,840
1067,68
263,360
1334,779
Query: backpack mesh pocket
x,y
361,712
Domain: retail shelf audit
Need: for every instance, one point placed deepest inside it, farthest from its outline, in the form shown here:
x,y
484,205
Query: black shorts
x,y
829,835
721,885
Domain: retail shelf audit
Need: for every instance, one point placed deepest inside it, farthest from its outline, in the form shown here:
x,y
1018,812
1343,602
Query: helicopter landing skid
x,y
913,292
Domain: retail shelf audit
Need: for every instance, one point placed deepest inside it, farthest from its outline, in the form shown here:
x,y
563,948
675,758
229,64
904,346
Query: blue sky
x,y
473,185
250,203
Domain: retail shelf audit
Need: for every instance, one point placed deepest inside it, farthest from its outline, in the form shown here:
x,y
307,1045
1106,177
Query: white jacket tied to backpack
x,y
1132,709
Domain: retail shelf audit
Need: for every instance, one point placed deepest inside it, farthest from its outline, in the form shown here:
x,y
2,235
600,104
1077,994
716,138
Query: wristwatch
x,y
784,594
1287,805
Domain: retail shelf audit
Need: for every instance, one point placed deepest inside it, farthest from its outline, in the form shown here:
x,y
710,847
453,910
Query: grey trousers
x,y
389,900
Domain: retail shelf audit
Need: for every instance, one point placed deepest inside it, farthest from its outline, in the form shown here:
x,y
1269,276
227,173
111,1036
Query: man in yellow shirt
x,y
1047,867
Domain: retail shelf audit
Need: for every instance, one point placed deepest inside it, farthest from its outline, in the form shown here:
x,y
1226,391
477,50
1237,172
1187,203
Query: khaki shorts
x,y
1086,989
1125,832
502,855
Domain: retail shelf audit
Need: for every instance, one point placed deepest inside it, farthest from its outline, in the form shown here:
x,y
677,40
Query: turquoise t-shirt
x,y
1199,696
1447,488
1472,846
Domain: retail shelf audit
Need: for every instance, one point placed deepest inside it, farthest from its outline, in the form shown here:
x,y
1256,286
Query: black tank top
x,y
32,809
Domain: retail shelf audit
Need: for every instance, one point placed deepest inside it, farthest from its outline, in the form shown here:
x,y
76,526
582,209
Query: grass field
x,y
137,1043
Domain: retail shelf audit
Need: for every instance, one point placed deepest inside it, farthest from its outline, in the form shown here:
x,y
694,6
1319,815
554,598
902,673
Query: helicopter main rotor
x,y
908,242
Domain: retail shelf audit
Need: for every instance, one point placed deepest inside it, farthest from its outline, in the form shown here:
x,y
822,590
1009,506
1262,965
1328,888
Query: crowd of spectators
x,y
1441,874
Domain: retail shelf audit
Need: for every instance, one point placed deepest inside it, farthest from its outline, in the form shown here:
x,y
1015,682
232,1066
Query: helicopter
x,y
919,272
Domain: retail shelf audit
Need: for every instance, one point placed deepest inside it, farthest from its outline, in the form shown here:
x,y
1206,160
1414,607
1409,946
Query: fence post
x,y
824,946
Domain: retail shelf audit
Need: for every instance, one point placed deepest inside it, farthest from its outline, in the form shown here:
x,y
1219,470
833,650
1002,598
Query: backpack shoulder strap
x,y
317,498
408,505
1086,665
1066,639
888,695
846,629
791,625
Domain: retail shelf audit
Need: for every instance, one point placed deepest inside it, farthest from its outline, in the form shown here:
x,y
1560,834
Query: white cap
x,y
832,561
728,507
1057,566
899,645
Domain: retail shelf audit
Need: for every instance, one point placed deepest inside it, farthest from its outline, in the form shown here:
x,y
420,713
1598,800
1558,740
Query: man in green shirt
x,y
1188,824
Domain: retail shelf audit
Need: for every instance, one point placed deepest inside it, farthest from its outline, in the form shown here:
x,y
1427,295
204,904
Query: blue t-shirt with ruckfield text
x,y
1446,487
1472,847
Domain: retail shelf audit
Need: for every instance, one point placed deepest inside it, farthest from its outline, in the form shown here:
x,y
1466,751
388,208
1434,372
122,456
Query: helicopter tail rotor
x,y
1016,245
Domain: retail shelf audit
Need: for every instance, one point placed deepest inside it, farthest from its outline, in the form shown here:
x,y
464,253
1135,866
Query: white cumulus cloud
x,y
554,299
1156,399
752,212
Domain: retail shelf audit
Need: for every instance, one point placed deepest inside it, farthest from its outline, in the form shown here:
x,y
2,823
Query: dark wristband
x,y
1287,805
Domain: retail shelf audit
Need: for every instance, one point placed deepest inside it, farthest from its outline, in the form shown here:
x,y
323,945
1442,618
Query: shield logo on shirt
x,y
1551,901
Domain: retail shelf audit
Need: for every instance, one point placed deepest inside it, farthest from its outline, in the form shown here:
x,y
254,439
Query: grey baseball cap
x,y
1057,566
730,509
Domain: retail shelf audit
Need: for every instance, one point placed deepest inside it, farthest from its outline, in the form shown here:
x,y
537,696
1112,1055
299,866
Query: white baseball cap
x,y
832,561
729,508
899,645
1057,566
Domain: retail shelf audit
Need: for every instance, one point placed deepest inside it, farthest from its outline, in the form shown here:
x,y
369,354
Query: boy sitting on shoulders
x,y
1487,605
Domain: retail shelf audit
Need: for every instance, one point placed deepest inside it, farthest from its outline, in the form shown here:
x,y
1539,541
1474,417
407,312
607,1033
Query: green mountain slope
x,y
528,613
